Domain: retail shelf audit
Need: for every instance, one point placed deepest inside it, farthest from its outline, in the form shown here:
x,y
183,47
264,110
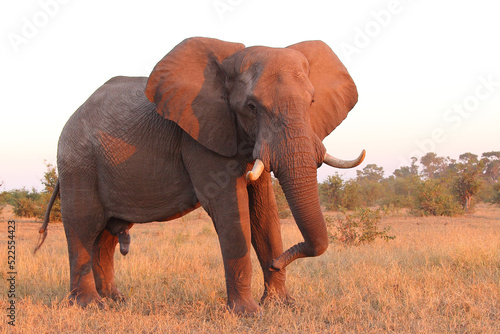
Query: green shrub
x,y
468,179
12,196
433,198
496,193
49,182
26,207
350,199
32,204
55,213
330,192
337,194
359,227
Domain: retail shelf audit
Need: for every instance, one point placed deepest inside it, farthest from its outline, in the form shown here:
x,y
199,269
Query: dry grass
x,y
439,275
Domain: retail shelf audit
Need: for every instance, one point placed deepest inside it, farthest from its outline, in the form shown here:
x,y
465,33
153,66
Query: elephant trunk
x,y
299,182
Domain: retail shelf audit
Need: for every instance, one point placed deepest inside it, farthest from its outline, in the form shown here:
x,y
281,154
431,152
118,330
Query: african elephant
x,y
206,128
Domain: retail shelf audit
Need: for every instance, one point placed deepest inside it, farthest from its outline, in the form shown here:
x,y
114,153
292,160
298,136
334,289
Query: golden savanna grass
x,y
439,275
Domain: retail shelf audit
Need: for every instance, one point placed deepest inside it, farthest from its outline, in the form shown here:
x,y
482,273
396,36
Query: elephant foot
x,y
117,296
247,308
113,294
86,299
277,297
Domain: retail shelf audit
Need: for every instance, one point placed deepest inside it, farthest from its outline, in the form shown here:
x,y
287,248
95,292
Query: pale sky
x,y
427,72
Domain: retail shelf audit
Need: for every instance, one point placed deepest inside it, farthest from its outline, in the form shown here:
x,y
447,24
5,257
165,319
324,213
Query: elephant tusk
x,y
256,171
339,163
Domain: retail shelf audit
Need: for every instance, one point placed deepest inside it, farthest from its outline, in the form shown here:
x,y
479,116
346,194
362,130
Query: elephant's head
x,y
280,101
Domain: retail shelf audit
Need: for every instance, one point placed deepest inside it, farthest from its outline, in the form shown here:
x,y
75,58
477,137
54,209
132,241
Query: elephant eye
x,y
252,106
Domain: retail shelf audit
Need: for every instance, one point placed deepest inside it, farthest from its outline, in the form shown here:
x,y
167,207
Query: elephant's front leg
x,y
221,189
266,236
229,212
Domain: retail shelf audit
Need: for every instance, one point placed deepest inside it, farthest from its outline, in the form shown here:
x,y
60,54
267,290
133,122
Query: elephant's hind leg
x,y
83,219
103,266
80,243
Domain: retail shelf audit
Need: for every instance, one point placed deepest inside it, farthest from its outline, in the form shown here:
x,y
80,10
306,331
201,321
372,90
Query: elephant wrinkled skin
x,y
153,149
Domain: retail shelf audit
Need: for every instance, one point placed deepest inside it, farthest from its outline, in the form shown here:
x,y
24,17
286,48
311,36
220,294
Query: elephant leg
x,y
83,220
103,266
266,237
232,222
221,189
82,283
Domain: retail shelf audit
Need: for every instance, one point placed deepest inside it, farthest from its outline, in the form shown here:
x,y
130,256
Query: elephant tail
x,y
43,229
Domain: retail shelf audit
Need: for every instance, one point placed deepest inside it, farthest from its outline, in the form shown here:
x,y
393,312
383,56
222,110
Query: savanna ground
x,y
439,275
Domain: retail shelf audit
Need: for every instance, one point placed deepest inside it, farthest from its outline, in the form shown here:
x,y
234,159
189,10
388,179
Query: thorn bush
x,y
359,227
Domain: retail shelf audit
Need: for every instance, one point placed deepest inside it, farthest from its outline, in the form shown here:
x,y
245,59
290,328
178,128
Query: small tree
x,y
468,182
492,166
403,184
330,192
3,197
433,198
350,199
490,176
369,182
337,194
433,166
496,193
49,181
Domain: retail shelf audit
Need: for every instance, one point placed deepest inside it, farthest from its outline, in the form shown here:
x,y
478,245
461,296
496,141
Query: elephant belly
x,y
147,188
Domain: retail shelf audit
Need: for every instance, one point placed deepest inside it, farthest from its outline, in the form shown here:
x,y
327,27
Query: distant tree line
x,y
32,203
432,185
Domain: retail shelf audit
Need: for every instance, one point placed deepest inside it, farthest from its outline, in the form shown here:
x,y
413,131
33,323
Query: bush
x,y
49,182
330,192
32,204
4,198
369,185
336,194
400,188
26,207
357,228
11,197
350,195
496,193
465,187
433,199
468,179
55,213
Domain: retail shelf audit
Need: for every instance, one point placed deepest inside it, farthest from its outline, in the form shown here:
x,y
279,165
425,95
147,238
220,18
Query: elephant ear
x,y
335,93
187,86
